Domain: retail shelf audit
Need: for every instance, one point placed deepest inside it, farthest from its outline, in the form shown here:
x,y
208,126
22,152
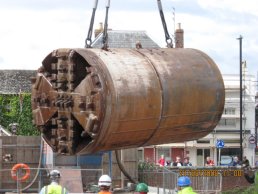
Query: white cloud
x,y
30,31
247,6
28,36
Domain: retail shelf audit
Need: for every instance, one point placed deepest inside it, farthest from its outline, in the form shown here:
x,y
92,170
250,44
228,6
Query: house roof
x,y
12,81
125,39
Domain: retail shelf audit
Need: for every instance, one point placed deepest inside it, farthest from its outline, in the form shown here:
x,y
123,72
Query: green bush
x,y
16,108
146,166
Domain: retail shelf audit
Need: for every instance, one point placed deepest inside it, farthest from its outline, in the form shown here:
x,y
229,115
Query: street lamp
x,y
241,95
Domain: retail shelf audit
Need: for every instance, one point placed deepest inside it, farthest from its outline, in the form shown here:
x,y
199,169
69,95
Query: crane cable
x,y
105,35
88,40
122,168
167,36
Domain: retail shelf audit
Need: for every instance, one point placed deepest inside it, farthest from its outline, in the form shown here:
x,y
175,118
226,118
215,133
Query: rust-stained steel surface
x,y
88,100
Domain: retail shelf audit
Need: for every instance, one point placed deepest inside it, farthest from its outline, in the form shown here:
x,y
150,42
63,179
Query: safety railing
x,y
204,180
28,179
162,179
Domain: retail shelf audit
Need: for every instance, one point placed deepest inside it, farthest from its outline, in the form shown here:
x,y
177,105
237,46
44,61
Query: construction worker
x,y
54,187
184,187
105,184
142,188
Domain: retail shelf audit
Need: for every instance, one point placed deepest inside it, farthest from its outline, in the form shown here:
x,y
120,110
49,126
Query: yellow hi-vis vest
x,y
187,190
54,189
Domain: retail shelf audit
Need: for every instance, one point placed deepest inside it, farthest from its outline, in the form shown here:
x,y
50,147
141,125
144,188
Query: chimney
x,y
99,29
179,37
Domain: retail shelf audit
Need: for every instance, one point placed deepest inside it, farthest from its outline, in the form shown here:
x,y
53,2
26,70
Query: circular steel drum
x,y
89,100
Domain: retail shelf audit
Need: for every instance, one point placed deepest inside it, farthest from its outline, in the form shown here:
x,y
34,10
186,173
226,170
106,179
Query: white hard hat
x,y
105,180
54,174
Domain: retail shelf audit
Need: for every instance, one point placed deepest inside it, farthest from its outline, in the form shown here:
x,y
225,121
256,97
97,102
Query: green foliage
x,y
148,171
146,166
247,190
17,109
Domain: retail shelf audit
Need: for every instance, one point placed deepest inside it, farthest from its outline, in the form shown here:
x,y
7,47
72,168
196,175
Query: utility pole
x,y
241,96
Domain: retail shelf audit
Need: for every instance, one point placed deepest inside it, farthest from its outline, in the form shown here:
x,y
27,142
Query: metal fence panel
x,y
203,180
75,180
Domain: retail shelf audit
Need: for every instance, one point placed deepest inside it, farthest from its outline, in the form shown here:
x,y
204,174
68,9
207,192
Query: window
x,y
163,151
140,155
229,111
201,156
227,122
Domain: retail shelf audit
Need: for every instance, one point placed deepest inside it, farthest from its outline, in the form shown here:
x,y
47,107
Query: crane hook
x,y
169,40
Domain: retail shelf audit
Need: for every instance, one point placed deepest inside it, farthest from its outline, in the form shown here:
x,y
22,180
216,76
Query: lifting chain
x,y
169,40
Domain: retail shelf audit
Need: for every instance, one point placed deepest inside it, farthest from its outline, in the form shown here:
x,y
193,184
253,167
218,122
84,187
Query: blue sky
x,y
31,29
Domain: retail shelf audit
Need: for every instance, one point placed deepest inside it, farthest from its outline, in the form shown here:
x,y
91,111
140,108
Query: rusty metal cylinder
x,y
89,100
